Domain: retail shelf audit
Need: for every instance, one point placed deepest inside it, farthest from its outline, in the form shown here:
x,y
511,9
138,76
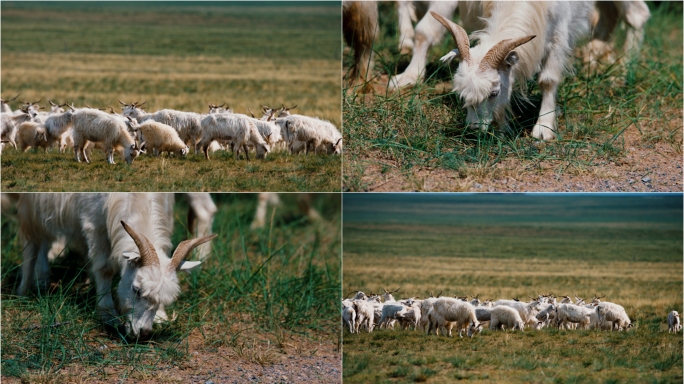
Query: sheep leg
x,y
406,14
32,272
244,147
428,32
545,128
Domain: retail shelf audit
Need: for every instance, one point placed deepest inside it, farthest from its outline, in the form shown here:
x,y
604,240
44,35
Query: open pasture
x,y
500,246
263,302
178,56
619,129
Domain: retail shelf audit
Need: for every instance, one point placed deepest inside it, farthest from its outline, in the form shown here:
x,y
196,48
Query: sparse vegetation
x,y
260,294
416,139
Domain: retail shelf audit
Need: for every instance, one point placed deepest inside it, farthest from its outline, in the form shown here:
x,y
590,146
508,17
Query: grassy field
x,y
613,122
180,56
261,295
501,246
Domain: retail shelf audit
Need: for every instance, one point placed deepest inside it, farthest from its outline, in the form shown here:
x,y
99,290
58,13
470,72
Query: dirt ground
x,y
643,168
298,360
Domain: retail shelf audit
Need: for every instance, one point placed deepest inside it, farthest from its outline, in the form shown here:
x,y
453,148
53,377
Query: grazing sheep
x,y
360,29
516,40
31,134
527,311
673,322
128,234
448,312
96,126
503,316
160,137
237,128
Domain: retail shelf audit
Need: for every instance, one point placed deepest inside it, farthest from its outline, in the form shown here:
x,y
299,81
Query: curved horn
x,y
221,106
439,294
349,294
121,102
497,53
14,98
458,33
385,290
184,249
251,113
396,290
295,106
148,255
51,103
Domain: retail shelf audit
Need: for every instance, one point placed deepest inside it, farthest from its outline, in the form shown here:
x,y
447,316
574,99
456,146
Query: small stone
x,y
646,179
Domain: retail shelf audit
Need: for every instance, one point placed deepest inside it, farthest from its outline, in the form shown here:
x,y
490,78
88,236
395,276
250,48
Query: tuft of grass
x,y
424,127
256,293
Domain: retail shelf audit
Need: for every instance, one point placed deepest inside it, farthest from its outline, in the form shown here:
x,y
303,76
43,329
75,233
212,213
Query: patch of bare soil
x,y
642,167
257,360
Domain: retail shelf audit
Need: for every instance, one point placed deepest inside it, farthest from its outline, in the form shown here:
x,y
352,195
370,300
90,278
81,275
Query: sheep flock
x,y
136,131
439,315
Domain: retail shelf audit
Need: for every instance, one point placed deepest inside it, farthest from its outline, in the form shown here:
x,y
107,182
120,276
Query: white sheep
x,y
160,137
31,134
447,312
528,311
128,234
507,317
673,322
237,128
97,126
364,315
516,41
58,127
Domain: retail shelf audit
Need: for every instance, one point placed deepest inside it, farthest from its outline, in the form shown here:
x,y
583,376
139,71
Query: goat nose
x,y
145,334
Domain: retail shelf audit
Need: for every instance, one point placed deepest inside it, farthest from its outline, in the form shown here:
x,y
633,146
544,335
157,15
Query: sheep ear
x,y
131,257
510,60
189,266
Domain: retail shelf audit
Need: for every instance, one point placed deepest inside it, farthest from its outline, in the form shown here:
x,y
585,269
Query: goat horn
x,y
439,294
497,53
122,103
14,98
385,290
51,103
250,112
221,106
184,249
458,33
349,294
295,106
396,290
148,255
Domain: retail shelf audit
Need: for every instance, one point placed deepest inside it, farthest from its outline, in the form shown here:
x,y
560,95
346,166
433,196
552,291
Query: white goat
x,y
97,126
615,314
160,137
349,317
10,124
239,129
528,311
507,317
129,234
447,312
516,41
318,135
572,313
673,322
364,315
58,127
5,105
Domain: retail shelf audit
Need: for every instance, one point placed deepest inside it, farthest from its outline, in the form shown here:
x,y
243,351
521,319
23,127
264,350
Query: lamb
x,y
507,317
160,137
448,312
360,29
129,234
673,322
317,134
239,129
31,134
10,124
411,317
614,314
96,126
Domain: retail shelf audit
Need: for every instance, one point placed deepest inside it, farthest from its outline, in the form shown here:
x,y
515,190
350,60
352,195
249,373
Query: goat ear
x,y
189,266
510,60
131,257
